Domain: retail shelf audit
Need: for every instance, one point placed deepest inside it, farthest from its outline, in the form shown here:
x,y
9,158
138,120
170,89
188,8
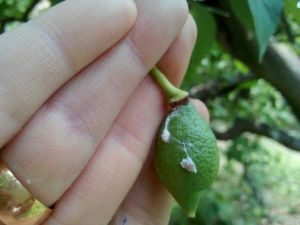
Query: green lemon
x,y
186,158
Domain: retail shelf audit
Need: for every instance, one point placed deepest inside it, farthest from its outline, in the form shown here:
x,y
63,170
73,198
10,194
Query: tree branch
x,y
219,88
288,29
243,125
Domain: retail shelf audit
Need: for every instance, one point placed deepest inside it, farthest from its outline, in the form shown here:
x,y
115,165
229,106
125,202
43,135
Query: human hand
x,y
77,114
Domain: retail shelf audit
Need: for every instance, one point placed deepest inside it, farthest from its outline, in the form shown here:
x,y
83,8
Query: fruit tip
x,y
191,209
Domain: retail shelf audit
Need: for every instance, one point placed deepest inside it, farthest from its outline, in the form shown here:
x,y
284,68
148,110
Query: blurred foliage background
x,y
246,68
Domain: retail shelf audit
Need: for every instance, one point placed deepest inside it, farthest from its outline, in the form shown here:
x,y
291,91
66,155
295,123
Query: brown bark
x,y
243,125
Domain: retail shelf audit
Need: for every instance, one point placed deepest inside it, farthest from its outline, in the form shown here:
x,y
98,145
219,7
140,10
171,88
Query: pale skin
x,y
78,113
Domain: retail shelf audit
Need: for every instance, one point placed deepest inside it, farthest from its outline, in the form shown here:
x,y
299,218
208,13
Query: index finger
x,y
41,55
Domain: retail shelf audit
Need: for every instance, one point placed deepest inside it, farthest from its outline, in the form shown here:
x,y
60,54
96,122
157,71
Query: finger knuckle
x,y
127,10
192,29
179,10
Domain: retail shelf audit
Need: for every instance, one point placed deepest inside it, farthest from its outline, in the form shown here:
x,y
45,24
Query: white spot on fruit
x,y
165,136
188,164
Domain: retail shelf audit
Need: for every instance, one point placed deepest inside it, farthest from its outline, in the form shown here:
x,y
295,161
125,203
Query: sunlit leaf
x,y
266,16
291,9
242,12
206,36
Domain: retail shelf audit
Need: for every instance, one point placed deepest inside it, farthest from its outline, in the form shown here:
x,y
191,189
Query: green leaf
x,y
291,9
54,2
207,29
242,12
266,15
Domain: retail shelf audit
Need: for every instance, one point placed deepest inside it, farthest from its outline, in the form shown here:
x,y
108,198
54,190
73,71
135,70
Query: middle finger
x,y
56,144
113,169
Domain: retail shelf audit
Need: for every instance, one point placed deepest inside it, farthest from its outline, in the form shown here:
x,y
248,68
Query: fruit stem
x,y
173,93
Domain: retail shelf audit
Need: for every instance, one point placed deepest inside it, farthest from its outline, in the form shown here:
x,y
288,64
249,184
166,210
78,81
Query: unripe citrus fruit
x,y
186,158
